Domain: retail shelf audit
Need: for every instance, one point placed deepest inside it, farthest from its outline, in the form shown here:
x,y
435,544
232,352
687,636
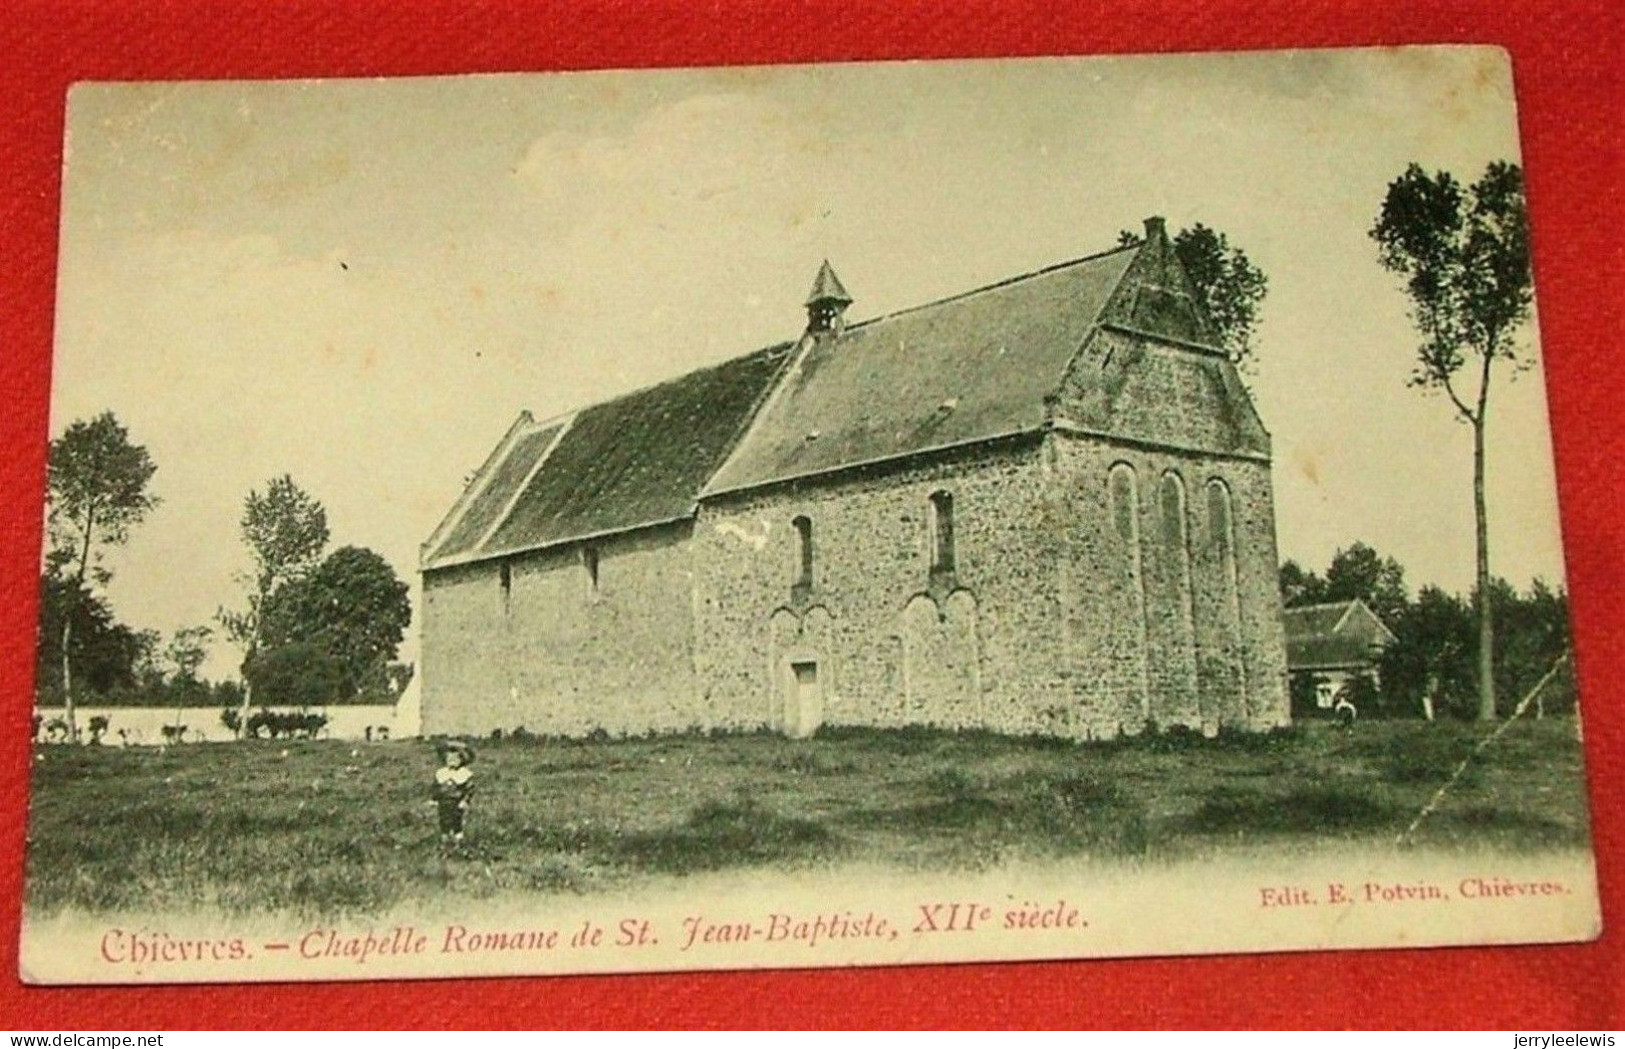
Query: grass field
x,y
328,828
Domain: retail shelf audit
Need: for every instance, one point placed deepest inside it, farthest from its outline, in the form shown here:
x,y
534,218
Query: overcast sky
x,y
361,283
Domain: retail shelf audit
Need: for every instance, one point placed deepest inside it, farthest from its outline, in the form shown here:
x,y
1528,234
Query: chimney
x,y
827,302
1156,228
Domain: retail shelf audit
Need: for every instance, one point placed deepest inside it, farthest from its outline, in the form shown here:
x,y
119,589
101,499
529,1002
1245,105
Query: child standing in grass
x,y
453,783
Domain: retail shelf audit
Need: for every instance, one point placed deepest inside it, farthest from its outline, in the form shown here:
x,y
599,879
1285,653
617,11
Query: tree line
x,y
315,626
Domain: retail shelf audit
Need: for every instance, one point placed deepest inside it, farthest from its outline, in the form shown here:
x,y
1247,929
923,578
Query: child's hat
x,y
446,746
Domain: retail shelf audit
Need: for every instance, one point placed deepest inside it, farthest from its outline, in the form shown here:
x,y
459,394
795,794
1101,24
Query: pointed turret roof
x,y
827,287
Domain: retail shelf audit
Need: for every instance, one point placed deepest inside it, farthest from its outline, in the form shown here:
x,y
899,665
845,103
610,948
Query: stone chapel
x,y
1042,506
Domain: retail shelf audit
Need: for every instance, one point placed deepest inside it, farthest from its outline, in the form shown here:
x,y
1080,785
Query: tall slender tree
x,y
1464,257
285,530
96,492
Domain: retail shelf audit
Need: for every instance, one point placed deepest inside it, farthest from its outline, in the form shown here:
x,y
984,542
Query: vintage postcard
x,y
802,516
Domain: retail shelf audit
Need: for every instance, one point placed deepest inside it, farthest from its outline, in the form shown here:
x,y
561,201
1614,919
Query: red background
x,y
1571,93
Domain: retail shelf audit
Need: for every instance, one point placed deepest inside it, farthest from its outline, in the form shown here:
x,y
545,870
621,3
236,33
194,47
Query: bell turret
x,y
827,302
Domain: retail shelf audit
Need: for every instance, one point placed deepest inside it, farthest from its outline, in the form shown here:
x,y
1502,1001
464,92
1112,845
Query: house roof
x,y
490,499
987,364
634,461
970,368
1334,635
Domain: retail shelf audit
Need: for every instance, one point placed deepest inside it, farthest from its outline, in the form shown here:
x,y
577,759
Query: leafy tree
x,y
96,493
1431,662
353,607
1531,632
1436,651
1299,586
186,651
298,674
399,676
151,676
1358,571
1464,257
1228,287
227,694
285,530
105,653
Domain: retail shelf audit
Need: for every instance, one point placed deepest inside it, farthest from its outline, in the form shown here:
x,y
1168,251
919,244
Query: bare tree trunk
x,y
67,676
248,686
242,715
1486,625
67,623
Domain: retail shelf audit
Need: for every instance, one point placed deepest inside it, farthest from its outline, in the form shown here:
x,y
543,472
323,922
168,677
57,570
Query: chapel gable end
x,y
1156,296
1150,371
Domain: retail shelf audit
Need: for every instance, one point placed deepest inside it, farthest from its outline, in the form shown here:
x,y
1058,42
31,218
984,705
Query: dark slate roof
x,y
969,368
497,486
634,461
1336,635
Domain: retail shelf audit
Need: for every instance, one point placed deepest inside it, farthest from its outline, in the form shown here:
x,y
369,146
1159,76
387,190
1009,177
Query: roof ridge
x,y
501,517
775,385
523,423
552,420
1321,604
1040,272
681,376
789,343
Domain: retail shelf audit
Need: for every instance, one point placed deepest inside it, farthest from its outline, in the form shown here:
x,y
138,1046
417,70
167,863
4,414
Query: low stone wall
x,y
145,725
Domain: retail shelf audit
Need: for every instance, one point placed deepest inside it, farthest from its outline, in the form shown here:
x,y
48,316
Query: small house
x,y
1329,647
